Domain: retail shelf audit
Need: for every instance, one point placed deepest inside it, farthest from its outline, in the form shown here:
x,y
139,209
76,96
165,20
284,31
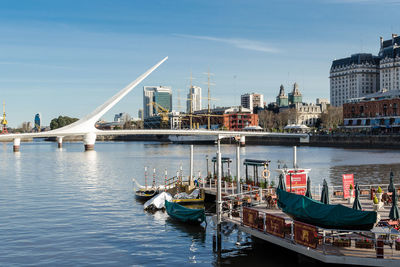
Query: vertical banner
x,y
275,225
305,234
250,217
298,180
348,179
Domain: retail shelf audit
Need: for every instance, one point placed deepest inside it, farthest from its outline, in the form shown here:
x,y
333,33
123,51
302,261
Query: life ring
x,y
266,173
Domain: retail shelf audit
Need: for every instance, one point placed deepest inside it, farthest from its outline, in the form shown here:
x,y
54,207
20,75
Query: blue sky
x,y
68,57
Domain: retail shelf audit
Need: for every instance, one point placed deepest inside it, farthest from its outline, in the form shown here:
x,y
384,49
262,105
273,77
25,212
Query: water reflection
x,y
365,174
195,232
71,206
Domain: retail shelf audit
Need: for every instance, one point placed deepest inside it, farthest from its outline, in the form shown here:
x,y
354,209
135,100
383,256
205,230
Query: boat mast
x,y
209,112
191,102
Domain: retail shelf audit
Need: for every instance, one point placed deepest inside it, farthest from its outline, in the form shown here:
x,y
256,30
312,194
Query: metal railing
x,y
354,243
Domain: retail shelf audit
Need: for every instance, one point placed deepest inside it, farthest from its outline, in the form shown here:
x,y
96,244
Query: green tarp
x,y
310,211
184,214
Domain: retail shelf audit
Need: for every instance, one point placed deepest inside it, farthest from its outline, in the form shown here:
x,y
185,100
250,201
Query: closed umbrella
x,y
325,193
308,191
357,204
394,211
391,185
281,184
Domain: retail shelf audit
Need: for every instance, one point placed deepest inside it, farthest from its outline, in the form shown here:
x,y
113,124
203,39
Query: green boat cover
x,y
313,212
184,214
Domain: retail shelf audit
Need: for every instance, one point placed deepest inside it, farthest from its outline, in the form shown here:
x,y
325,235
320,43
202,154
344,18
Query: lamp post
x,y
207,166
285,171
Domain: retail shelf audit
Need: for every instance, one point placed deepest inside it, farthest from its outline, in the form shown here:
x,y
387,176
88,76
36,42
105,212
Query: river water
x,y
69,207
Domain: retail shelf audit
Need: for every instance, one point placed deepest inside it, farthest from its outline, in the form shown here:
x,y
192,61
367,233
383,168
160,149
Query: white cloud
x,y
237,42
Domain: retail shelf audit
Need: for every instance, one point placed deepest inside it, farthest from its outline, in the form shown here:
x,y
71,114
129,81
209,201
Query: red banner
x,y
250,217
305,234
275,225
348,179
298,180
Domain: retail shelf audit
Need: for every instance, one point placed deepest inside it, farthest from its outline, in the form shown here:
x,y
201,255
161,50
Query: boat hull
x,y
144,195
184,214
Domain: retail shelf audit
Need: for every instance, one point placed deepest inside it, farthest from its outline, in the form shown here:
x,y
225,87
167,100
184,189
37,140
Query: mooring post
x,y
219,196
295,157
166,173
238,167
191,167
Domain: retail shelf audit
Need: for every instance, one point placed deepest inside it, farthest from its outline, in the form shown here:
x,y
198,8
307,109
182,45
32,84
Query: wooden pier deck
x,y
329,248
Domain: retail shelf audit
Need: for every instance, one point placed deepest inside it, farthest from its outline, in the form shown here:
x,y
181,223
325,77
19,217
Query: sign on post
x,y
297,180
348,179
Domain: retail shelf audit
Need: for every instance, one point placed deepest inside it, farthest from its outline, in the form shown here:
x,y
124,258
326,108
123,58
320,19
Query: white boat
x,y
193,139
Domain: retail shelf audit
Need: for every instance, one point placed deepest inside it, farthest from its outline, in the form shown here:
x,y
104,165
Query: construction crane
x,y
4,121
163,112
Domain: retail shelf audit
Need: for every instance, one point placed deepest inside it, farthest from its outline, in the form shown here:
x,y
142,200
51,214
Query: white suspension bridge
x,y
85,127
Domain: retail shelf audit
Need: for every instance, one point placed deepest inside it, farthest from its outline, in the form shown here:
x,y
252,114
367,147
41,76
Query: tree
x,y
266,119
332,117
61,121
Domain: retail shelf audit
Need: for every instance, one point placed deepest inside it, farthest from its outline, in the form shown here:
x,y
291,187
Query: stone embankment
x,y
345,141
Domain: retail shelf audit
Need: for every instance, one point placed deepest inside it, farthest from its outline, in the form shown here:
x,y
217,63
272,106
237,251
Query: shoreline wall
x,y
343,141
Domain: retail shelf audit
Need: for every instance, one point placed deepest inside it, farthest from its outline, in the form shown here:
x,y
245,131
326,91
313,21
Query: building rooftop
x,y
377,96
356,59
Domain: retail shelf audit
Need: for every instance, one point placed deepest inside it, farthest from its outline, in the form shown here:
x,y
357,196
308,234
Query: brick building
x,y
379,110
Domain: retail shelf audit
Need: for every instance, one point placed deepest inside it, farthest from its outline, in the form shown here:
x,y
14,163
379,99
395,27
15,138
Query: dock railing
x,y
334,189
380,244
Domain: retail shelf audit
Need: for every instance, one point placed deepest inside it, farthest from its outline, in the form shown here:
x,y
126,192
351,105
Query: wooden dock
x,y
370,248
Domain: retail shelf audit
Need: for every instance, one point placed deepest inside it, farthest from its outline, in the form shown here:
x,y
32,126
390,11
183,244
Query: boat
x,y
307,210
192,139
184,214
145,194
157,202
196,196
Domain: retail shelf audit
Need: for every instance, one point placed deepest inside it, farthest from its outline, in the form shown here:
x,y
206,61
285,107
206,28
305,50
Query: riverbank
x,y
340,141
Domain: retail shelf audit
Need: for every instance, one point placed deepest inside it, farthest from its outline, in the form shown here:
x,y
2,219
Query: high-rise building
x,y
389,64
252,100
140,114
37,122
162,95
353,77
363,74
194,98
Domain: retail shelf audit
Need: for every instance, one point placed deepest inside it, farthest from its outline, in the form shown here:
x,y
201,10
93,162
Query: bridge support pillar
x,y
16,145
243,140
88,140
59,141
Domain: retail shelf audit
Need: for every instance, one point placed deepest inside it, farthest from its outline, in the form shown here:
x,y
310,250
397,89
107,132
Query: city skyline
x,y
67,57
